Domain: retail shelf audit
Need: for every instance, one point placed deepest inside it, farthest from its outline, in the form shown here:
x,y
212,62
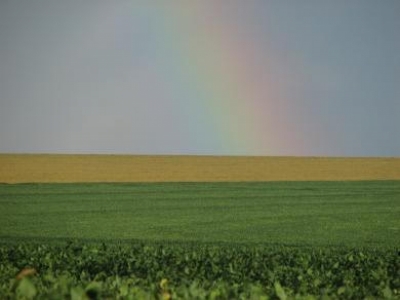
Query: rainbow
x,y
233,81
225,88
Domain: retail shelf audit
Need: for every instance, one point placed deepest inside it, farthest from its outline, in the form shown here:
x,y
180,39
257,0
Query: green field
x,y
295,213
250,240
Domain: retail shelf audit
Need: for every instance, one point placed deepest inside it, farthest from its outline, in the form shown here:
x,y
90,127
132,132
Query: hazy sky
x,y
215,77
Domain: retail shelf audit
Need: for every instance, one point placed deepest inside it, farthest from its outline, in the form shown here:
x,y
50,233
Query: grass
x,y
362,214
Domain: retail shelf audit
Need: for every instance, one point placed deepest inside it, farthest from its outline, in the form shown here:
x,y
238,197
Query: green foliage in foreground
x,y
79,270
300,213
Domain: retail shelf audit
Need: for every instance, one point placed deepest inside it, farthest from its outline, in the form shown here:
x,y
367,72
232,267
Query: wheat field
x,y
20,168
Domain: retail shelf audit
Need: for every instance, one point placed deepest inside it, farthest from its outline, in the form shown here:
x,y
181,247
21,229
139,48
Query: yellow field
x,y
124,168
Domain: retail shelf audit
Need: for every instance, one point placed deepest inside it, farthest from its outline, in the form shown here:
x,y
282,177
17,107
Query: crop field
x,y
306,213
76,270
243,240
165,227
130,168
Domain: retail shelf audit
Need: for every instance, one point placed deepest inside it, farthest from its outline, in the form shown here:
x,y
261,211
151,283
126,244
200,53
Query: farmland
x,y
19,168
77,270
165,227
313,213
200,240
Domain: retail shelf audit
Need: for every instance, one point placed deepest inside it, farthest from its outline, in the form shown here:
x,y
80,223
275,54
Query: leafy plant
x,y
78,270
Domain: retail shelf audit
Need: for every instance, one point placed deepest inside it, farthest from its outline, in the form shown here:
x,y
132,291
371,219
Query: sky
x,y
210,77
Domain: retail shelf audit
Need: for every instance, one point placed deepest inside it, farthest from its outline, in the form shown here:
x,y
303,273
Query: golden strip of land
x,y
18,168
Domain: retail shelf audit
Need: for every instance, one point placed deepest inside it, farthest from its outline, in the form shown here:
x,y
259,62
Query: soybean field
x,y
215,240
